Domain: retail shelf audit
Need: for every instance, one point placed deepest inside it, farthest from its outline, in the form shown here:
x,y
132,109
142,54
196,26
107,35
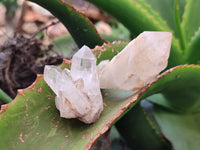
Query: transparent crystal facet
x,y
52,74
78,91
141,60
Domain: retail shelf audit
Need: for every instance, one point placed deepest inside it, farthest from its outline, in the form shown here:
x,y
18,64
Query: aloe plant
x,y
172,97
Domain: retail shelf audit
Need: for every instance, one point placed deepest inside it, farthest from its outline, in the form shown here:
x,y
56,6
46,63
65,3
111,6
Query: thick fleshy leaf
x,y
139,132
180,33
176,98
183,130
139,12
191,19
137,16
4,97
81,29
66,46
166,10
180,89
32,120
178,111
193,52
108,51
37,123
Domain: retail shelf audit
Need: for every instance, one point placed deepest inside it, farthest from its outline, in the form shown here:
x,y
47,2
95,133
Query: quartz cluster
x,y
78,91
141,60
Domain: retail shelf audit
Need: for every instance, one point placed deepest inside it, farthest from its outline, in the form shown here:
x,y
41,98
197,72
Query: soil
x,y
21,59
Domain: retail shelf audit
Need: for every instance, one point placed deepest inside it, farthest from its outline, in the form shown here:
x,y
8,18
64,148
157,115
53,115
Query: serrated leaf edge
x,y
161,135
153,14
133,99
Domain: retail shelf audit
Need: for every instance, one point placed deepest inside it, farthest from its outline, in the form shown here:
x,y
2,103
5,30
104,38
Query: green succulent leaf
x,y
180,89
108,51
32,120
166,10
4,97
37,123
139,132
176,94
183,130
193,53
178,26
142,16
191,20
81,29
177,111
36,120
137,16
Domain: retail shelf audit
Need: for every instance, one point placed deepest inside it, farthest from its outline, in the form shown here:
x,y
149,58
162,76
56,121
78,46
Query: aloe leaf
x,y
4,97
108,51
137,16
37,123
67,47
178,26
160,100
183,130
139,132
184,95
81,29
193,53
166,11
180,124
175,100
191,20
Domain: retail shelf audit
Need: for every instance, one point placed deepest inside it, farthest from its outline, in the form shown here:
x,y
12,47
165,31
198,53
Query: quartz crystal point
x,y
78,91
141,60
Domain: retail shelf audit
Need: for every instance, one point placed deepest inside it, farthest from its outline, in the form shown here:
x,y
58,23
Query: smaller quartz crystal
x,y
141,60
78,91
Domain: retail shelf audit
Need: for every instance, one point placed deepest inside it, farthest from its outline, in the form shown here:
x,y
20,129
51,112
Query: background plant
x,y
167,119
11,6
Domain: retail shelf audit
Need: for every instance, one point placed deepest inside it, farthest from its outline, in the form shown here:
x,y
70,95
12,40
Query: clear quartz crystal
x,y
141,60
78,91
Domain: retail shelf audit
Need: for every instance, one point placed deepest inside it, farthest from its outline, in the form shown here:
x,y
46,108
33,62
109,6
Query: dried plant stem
x,y
45,27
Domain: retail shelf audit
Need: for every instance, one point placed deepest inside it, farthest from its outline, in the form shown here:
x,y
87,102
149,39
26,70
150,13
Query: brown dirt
x,y
21,59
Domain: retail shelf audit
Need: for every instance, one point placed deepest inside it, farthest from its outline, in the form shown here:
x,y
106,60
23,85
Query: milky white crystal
x,y
78,91
141,60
